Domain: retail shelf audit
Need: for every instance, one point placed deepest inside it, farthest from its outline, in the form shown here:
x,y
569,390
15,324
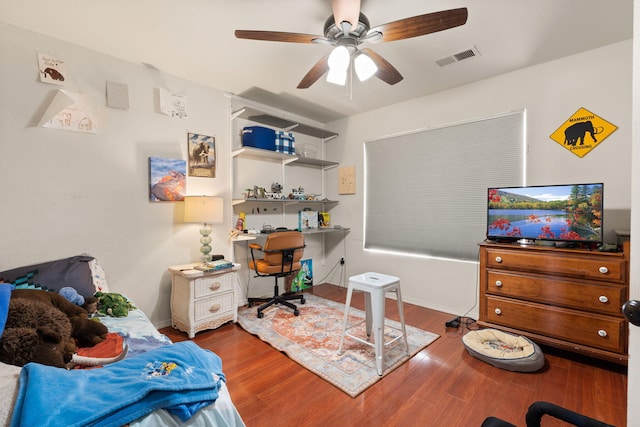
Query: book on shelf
x,y
214,265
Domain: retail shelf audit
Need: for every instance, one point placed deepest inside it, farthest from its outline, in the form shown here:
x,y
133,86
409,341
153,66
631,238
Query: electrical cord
x,y
460,323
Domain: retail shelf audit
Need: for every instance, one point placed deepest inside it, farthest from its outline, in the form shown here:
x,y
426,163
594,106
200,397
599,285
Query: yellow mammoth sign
x,y
583,132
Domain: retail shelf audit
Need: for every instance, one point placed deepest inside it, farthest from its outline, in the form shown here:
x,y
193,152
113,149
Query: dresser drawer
x,y
592,330
596,266
211,285
213,306
579,295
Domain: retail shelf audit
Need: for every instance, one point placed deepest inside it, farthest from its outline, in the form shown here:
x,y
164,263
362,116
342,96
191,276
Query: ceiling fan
x,y
347,29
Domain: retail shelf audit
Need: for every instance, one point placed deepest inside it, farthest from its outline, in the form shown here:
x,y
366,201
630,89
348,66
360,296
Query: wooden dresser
x,y
565,298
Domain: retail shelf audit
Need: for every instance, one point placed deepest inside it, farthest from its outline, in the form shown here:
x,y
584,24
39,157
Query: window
x,y
425,191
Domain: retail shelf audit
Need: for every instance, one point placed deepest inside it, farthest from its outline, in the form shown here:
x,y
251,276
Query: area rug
x,y
312,340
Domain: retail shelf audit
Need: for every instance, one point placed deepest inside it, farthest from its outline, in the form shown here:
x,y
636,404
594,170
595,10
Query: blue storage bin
x,y
285,142
259,137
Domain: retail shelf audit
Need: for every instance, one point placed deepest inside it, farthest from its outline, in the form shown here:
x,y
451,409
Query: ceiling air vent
x,y
457,57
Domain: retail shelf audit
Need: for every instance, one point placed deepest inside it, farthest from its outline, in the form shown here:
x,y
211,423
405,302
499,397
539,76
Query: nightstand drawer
x,y
593,330
214,306
212,285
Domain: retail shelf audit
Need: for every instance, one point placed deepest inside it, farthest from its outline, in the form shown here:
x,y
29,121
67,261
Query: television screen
x,y
563,213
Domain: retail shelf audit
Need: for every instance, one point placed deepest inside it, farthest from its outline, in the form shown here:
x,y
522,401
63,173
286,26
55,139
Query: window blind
x,y
425,191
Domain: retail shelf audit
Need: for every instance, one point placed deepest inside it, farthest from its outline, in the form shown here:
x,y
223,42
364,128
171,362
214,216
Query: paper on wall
x,y
71,111
51,70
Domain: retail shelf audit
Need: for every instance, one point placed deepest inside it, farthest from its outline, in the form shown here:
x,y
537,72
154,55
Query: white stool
x,y
375,286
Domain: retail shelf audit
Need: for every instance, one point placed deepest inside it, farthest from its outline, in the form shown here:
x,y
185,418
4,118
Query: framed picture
x,y
167,180
202,155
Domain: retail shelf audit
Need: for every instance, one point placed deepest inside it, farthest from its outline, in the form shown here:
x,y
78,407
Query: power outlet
x,y
341,261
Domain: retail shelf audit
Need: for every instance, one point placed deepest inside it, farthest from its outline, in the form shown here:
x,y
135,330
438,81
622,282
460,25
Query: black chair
x,y
282,252
538,409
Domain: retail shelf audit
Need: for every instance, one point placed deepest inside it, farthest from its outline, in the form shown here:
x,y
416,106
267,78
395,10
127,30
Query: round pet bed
x,y
504,350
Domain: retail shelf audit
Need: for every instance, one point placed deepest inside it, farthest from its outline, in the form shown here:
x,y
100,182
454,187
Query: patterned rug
x,y
312,340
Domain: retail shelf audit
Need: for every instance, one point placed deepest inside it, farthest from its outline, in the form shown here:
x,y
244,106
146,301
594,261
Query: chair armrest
x,y
255,246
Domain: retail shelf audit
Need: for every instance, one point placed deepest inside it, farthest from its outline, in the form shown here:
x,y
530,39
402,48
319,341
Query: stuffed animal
x,y
36,332
71,295
113,304
39,332
85,332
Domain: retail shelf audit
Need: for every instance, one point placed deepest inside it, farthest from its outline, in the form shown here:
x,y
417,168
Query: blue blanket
x,y
5,296
181,378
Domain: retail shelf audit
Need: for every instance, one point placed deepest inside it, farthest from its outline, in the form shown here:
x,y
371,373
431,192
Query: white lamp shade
x,y
365,67
337,77
203,209
339,58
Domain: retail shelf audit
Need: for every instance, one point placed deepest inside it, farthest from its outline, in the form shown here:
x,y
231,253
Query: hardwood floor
x,y
440,386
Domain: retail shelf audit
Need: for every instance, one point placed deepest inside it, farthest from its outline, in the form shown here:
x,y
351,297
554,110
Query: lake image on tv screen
x,y
572,212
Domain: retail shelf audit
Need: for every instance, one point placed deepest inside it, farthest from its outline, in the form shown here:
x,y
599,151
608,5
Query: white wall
x,y
65,193
598,80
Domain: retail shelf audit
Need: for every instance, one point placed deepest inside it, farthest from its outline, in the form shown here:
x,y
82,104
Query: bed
x,y
193,390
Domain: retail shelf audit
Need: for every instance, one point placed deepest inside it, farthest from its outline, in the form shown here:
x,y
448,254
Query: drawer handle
x,y
602,333
603,270
498,283
498,259
603,299
214,308
215,286
498,311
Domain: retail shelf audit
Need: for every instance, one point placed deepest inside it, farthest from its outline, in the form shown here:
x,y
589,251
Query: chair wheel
x,y
302,301
260,315
296,312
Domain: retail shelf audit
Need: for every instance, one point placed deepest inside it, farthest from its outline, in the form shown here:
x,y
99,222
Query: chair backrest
x,y
281,241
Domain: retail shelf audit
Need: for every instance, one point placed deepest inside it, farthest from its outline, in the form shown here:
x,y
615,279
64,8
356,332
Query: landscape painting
x,y
167,179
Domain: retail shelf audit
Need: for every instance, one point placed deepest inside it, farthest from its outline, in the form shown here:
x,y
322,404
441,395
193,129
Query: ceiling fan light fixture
x,y
339,58
365,67
337,76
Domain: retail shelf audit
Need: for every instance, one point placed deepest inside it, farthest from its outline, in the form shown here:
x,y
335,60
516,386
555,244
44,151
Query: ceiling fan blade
x,y
346,11
422,24
276,36
315,73
386,72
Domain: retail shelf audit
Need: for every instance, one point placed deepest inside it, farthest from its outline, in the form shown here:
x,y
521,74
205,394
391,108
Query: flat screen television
x,y
555,213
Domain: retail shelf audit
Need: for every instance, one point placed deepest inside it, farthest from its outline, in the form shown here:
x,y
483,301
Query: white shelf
x,y
244,237
258,116
262,154
287,202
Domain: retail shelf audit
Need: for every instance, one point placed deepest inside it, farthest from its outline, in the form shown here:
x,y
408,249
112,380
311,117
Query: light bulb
x,y
339,58
365,67
337,76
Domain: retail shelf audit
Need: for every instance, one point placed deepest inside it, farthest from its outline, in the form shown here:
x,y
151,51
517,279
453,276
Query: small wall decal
x,y
583,132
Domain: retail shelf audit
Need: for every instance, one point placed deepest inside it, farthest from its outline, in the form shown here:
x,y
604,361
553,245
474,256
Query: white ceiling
x,y
194,39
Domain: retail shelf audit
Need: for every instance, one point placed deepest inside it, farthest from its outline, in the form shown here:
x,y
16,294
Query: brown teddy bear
x,y
36,332
44,327
86,332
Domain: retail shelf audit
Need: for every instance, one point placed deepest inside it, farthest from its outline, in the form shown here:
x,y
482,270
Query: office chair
x,y
282,253
538,409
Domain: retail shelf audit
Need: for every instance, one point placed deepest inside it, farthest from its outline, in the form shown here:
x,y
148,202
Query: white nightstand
x,y
200,300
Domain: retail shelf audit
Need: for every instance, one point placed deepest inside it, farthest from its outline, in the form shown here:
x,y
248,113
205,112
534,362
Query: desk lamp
x,y
206,210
